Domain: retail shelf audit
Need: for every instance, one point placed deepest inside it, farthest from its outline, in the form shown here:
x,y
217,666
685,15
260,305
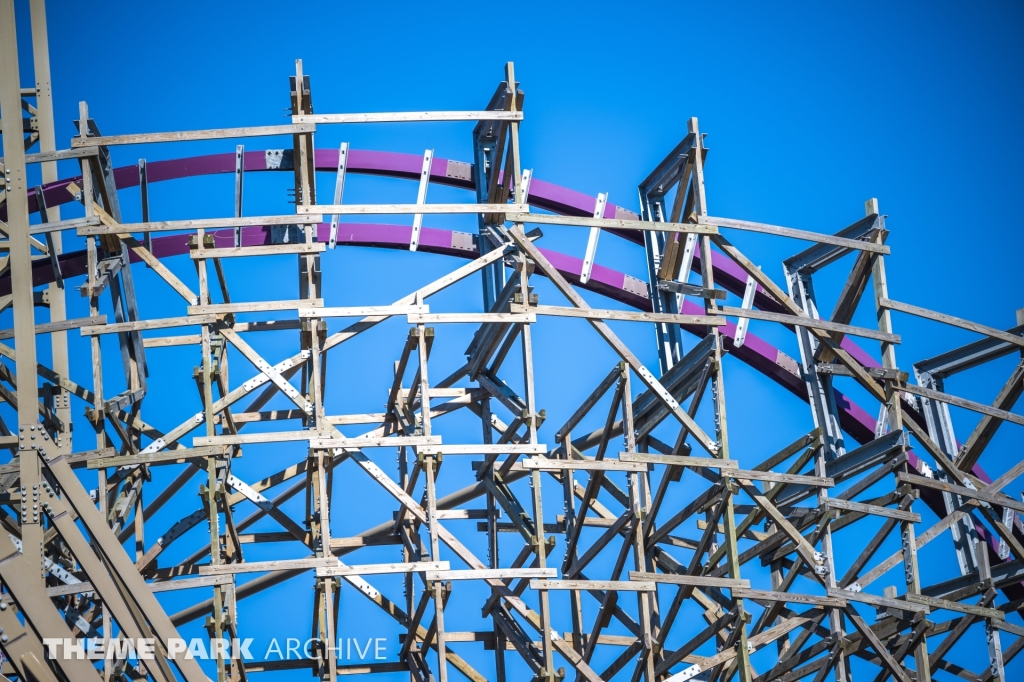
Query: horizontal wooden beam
x,y
544,464
873,509
399,209
875,600
679,460
772,477
607,223
266,566
364,311
470,318
189,135
952,321
473,449
601,585
963,491
493,574
410,117
788,597
163,586
266,250
622,315
936,603
62,325
143,325
166,457
202,224
964,403
810,322
338,569
691,580
371,442
805,235
258,307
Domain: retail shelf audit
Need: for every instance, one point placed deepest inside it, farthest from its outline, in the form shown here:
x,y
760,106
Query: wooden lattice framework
x,y
65,558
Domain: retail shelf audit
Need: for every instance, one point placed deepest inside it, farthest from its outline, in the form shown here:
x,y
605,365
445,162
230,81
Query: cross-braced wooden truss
x,y
771,597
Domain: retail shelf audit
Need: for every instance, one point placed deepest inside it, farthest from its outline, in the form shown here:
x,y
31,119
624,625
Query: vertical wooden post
x,y
895,410
16,190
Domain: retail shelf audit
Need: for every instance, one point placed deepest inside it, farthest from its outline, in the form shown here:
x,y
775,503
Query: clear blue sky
x,y
809,109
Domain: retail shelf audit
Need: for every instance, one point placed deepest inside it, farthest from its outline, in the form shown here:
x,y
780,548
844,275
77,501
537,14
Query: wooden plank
x,y
336,568
950,320
142,325
371,442
166,457
201,224
925,482
690,580
609,223
256,307
410,117
788,597
679,460
806,235
544,464
623,315
803,321
401,209
58,155
267,250
482,449
874,510
493,574
936,603
266,566
874,600
61,325
187,135
164,586
964,403
363,311
168,341
771,476
70,224
599,585
252,438
471,318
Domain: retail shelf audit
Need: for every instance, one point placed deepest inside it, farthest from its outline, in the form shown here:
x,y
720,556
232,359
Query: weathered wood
x,y
619,585
401,209
806,235
263,306
410,116
935,484
801,321
964,403
270,250
788,597
950,320
624,315
609,223
201,224
694,580
62,325
544,464
679,460
143,325
188,135
329,568
874,510
493,573
168,457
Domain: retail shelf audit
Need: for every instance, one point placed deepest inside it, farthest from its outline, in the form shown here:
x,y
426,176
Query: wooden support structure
x,y
613,551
